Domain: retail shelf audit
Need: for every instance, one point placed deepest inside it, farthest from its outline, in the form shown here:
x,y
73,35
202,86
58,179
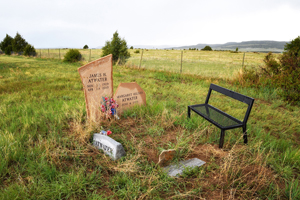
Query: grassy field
x,y
219,64
45,139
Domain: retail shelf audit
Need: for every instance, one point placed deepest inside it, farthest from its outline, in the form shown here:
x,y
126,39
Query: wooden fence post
x,y
243,60
48,54
141,59
59,53
40,53
181,62
90,55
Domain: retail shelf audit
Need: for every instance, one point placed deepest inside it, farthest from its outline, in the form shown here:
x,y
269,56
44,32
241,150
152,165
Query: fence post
x,y
40,53
243,60
181,62
141,58
90,55
59,53
48,54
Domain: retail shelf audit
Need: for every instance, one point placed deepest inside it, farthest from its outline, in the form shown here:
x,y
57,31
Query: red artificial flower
x,y
108,132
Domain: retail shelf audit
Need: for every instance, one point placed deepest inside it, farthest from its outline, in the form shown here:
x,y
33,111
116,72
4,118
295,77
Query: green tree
x,y
85,46
207,48
6,44
117,47
29,50
18,43
131,47
237,49
8,50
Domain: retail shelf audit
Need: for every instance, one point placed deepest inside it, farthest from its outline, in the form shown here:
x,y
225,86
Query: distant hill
x,y
264,45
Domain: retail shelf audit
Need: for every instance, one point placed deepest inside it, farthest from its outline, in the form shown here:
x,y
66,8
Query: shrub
x,y
131,47
85,46
137,51
73,55
207,48
294,46
288,78
29,50
117,47
283,74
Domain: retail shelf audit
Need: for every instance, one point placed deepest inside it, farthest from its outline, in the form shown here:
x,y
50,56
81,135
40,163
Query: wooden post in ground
x,y
59,53
141,59
181,62
243,60
90,55
48,54
40,53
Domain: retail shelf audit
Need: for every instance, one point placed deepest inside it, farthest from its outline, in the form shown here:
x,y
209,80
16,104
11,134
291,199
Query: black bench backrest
x,y
234,95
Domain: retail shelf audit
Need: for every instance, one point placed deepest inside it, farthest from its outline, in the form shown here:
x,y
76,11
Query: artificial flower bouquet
x,y
109,107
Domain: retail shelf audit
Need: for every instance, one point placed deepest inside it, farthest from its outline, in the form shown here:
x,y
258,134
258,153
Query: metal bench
x,y
219,118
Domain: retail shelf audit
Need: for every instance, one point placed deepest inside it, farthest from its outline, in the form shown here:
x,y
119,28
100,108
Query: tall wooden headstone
x,y
97,82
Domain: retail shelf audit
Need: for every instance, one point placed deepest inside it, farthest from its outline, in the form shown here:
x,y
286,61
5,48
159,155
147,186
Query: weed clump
x,y
73,55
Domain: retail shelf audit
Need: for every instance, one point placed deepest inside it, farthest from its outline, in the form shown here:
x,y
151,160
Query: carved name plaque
x,y
110,147
97,82
128,95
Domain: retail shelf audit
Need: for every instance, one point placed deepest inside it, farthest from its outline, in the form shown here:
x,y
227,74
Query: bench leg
x,y
245,134
222,139
189,112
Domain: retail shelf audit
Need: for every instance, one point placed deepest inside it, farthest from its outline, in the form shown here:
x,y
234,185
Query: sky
x,y
157,23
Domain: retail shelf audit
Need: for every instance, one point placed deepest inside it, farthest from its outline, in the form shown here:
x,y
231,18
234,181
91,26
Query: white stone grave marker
x,y
110,147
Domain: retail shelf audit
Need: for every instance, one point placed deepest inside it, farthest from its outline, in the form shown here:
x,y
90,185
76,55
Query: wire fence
x,y
222,64
87,54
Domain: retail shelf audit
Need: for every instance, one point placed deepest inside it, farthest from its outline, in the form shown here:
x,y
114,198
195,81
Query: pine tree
x,y
18,43
29,50
117,47
6,44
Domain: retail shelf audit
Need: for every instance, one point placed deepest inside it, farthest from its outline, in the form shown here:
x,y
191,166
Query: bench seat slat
x,y
216,116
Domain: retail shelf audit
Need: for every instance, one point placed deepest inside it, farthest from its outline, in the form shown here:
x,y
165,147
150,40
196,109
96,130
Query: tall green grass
x,y
46,151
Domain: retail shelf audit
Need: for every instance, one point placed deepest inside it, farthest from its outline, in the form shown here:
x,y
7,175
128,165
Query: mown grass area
x,y
46,147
